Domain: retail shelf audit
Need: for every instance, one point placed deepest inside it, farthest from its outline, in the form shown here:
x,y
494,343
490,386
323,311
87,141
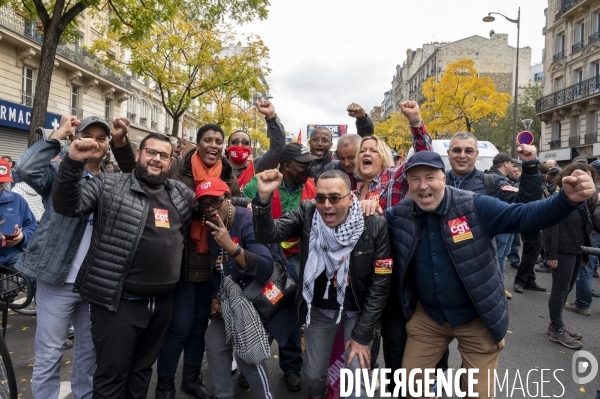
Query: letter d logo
x,y
582,360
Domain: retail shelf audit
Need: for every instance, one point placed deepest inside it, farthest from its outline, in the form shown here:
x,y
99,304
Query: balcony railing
x,y
131,116
574,141
558,56
167,130
554,144
578,46
27,98
565,6
594,37
17,24
143,121
78,112
575,92
154,125
591,138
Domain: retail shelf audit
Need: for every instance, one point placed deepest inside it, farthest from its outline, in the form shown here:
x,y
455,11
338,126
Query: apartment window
x,y
577,79
592,122
108,110
476,55
594,76
595,22
560,46
143,113
167,123
154,118
131,108
27,87
76,102
579,29
556,130
575,125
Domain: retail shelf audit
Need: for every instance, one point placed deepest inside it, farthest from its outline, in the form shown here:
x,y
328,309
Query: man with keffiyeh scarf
x,y
345,268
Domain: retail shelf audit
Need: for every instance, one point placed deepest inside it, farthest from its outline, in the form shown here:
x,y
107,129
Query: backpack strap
x,y
490,183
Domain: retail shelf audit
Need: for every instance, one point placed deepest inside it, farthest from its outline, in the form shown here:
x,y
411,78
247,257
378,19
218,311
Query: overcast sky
x,y
326,54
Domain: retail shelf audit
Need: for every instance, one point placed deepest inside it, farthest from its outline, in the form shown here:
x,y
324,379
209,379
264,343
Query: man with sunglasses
x,y
239,150
127,275
345,269
295,186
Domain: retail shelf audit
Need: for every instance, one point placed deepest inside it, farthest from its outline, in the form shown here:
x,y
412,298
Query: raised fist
x,y
119,129
66,127
527,152
410,109
268,181
266,108
579,186
83,149
356,111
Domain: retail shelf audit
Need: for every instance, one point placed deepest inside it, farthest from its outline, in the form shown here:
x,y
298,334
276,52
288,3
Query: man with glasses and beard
x,y
127,275
295,186
345,271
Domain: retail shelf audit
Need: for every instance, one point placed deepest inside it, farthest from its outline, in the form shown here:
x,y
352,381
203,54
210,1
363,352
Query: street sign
x,y
525,137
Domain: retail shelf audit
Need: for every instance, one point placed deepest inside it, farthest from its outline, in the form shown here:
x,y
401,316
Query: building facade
x,y
493,58
571,84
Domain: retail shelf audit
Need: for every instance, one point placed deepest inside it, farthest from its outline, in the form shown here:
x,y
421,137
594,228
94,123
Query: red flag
x,y
299,140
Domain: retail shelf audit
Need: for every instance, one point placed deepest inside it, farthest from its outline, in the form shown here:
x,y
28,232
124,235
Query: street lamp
x,y
489,18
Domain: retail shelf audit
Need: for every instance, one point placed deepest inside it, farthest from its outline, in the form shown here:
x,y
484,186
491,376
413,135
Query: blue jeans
x,y
503,243
583,287
191,310
290,355
513,255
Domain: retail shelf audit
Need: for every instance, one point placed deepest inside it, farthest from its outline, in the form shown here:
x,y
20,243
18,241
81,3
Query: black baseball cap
x,y
425,158
91,121
297,152
579,158
502,157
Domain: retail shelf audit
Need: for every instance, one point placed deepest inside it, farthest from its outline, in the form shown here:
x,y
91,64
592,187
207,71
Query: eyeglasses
x,y
238,141
317,140
152,153
333,199
458,150
304,166
213,203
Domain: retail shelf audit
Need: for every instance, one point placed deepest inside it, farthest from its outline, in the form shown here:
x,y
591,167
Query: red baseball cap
x,y
5,171
213,186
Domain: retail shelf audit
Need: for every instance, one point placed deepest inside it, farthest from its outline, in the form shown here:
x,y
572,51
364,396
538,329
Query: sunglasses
x,y
213,203
458,150
238,141
333,199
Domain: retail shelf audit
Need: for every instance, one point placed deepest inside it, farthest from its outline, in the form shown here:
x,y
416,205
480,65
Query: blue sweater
x,y
15,210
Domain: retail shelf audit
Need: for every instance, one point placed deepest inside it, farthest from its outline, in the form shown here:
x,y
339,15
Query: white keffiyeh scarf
x,y
329,249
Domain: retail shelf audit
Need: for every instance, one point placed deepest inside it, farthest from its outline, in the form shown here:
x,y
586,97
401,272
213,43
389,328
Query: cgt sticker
x,y
460,230
383,266
272,292
508,187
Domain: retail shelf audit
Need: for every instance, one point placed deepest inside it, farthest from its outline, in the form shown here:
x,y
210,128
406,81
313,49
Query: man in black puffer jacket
x,y
345,268
127,276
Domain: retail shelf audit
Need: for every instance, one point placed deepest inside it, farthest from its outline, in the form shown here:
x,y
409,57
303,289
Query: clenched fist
x,y
266,108
268,181
527,152
356,111
119,129
578,187
410,109
66,127
83,149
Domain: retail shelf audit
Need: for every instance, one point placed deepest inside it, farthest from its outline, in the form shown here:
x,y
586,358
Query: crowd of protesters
x,y
169,252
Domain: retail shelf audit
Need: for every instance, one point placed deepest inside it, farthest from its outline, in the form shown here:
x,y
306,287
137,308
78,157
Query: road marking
x,y
65,389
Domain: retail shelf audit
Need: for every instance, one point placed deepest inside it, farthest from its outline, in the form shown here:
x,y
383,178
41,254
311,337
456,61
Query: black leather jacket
x,y
370,289
120,207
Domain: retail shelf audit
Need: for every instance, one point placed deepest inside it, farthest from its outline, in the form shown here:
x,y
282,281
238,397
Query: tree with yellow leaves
x,y
460,99
395,131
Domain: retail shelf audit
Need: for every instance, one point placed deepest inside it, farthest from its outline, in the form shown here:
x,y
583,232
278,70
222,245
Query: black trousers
x,y
532,245
563,280
127,343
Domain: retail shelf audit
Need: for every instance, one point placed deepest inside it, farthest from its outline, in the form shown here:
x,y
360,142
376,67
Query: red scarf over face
x,y
200,172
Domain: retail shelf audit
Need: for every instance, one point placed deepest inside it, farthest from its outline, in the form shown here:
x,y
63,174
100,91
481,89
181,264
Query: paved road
x,y
527,348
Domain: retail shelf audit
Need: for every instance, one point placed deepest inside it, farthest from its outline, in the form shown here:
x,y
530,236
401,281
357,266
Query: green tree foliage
x,y
501,132
128,21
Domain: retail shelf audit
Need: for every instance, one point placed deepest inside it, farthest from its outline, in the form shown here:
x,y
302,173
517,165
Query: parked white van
x,y
487,152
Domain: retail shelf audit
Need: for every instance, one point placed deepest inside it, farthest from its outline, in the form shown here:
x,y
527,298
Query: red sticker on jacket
x,y
460,230
235,240
272,292
161,218
383,266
